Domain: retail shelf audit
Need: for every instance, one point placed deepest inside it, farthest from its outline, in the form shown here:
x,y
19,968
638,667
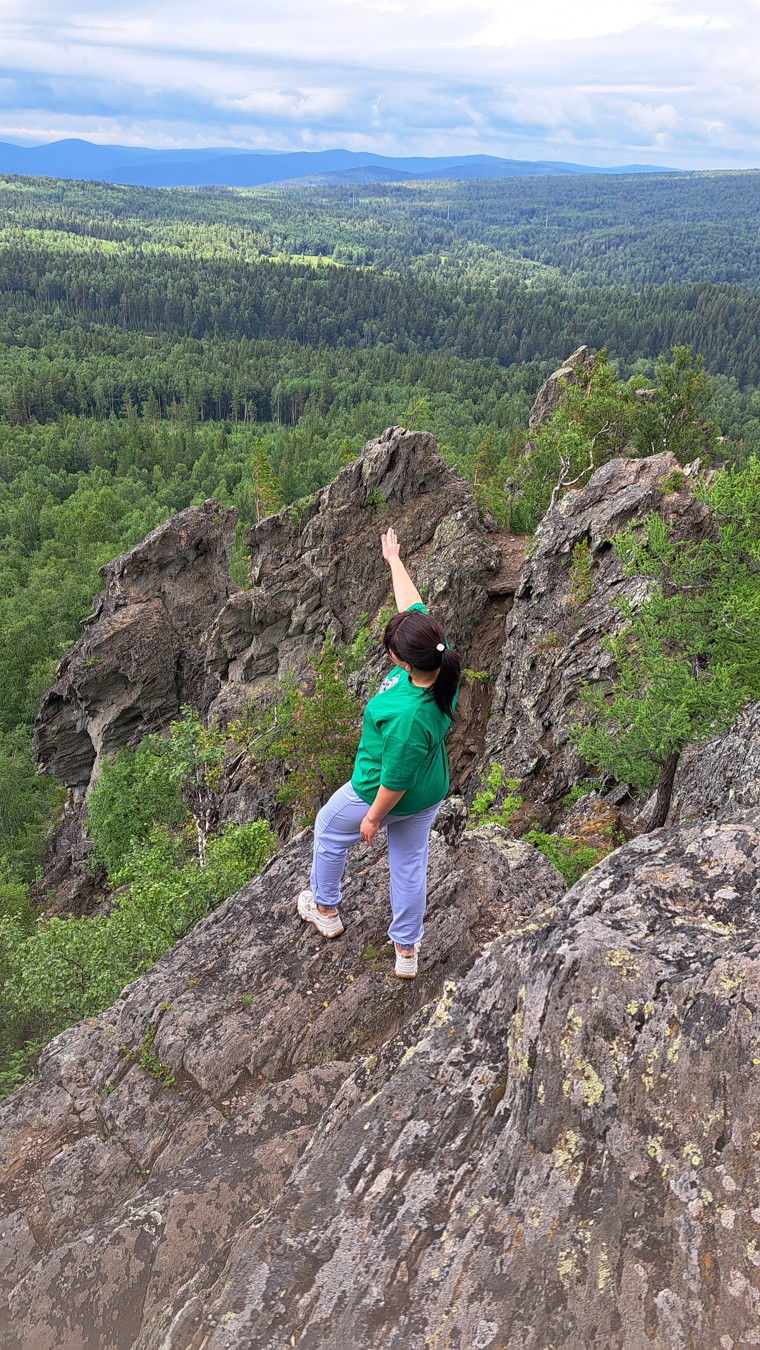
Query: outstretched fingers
x,y
390,545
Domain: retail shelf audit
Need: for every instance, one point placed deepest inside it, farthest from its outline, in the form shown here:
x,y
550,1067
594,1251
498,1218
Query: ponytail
x,y
418,640
446,685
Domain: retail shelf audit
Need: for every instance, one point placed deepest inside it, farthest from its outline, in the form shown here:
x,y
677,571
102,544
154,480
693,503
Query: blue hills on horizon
x,y
140,166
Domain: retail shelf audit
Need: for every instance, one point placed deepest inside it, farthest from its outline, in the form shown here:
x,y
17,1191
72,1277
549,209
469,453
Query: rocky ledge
x,y
554,1142
566,1155
157,1130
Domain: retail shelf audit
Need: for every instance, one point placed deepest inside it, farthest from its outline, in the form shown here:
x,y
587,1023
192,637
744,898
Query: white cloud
x,y
647,118
600,83
295,104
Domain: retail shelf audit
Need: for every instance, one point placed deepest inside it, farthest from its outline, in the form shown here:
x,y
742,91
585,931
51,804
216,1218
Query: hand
x,y
368,829
390,545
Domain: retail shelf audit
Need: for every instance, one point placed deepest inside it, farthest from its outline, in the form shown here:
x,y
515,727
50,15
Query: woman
x,y
400,776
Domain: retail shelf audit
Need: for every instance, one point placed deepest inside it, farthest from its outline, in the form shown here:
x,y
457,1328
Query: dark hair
x,y
414,638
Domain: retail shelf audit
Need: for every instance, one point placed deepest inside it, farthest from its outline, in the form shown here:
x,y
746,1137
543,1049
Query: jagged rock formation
x,y
140,655
314,567
562,1151
567,1155
117,1188
721,775
564,607
550,394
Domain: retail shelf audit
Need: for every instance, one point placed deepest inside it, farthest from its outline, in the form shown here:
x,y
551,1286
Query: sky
x,y
598,82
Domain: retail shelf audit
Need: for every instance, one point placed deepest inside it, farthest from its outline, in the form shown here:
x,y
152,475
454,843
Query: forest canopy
x,y
160,347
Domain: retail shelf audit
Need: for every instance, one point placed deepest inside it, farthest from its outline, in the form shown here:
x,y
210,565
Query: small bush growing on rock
x,y
148,1060
482,811
312,732
570,857
580,586
689,655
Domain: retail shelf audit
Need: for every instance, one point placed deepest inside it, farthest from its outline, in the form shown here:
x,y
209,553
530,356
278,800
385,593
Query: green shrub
x,y
316,734
569,857
136,791
580,586
688,656
483,811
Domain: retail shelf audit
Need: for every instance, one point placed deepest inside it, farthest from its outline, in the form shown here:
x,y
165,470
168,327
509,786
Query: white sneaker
x,y
406,966
329,925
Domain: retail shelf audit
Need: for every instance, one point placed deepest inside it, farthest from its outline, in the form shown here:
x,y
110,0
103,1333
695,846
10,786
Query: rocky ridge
x,y
567,1155
566,603
118,1187
548,1139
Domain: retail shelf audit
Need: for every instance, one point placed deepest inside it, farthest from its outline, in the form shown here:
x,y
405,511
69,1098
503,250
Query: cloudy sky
x,y
604,82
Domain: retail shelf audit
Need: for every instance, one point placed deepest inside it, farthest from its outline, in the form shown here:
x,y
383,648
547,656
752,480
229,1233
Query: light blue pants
x,y
337,828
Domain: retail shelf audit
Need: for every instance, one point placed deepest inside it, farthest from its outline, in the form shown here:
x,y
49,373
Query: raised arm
x,y
404,589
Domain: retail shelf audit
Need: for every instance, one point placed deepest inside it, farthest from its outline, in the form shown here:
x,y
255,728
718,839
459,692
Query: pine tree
x,y
689,655
267,492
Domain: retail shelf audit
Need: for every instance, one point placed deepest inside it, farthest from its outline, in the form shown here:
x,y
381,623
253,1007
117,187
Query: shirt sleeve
x,y
403,758
418,605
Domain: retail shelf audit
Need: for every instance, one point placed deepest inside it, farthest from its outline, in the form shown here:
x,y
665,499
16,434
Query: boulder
x,y
155,1131
715,778
566,1154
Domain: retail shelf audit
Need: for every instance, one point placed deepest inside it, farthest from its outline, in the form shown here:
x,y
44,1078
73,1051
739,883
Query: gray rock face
x,y
549,1138
316,567
170,627
716,778
565,1155
562,613
117,1188
140,656
550,393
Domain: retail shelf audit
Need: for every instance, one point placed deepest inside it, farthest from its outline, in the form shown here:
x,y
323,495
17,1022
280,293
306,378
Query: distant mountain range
x,y
240,168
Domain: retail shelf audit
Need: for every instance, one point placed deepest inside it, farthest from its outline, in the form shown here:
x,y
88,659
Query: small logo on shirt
x,y
389,682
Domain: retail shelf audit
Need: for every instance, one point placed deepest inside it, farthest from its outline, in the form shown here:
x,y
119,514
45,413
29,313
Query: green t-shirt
x,y
401,746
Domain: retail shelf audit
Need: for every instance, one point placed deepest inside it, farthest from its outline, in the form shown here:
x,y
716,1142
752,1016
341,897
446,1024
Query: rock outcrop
x,y
315,567
565,1155
141,654
116,1187
565,605
550,394
562,1150
716,778
140,657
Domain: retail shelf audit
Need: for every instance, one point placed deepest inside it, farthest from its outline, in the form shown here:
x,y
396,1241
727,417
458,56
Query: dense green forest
x,y
155,344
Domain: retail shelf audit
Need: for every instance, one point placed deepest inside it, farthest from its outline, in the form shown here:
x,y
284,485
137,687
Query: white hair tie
x,y
440,647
